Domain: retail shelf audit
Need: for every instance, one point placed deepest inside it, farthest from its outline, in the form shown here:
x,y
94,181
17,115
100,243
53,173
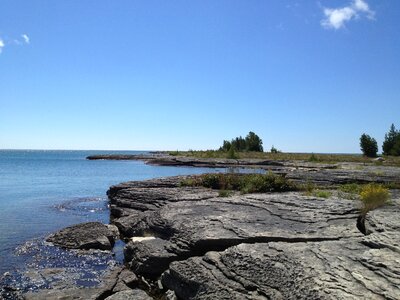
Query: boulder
x,y
91,235
149,257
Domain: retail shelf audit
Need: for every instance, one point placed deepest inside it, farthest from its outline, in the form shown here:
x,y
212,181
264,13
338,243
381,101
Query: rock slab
x,y
91,235
259,246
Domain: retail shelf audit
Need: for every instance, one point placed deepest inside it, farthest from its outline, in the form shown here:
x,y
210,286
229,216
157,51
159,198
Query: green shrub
x,y
313,158
350,188
322,194
232,154
261,183
308,188
225,193
188,182
174,153
245,183
274,150
211,181
373,196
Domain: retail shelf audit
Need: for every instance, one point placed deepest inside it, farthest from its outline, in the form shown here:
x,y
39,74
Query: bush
x,y
274,150
350,188
211,181
174,153
373,196
225,193
245,183
258,183
322,194
232,154
368,145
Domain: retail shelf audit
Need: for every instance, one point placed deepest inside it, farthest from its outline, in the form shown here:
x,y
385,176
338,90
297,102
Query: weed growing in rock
x,y
308,188
351,188
373,196
322,194
225,193
349,191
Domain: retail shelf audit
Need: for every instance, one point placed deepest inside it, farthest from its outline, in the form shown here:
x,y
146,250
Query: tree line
x,y
390,146
251,142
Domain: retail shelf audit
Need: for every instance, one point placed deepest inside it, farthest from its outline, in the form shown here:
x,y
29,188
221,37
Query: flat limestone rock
x,y
69,290
259,246
186,224
91,235
382,227
317,270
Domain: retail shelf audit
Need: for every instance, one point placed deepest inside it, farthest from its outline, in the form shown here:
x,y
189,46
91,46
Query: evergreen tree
x,y
391,144
369,146
239,144
226,146
253,142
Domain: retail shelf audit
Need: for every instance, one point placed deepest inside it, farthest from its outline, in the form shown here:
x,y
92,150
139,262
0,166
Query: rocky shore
x,y
189,243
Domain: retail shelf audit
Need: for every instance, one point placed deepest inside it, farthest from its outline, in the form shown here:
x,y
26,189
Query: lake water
x,y
43,191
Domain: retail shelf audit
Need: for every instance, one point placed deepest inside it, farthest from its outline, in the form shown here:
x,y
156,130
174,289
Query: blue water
x,y
43,191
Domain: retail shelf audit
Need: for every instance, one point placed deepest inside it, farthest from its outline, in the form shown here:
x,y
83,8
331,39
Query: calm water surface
x,y
43,191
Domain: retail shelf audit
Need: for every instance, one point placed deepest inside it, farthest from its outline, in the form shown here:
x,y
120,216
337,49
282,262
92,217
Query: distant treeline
x,y
251,142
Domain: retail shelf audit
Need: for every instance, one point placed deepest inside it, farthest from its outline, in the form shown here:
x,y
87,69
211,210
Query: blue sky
x,y
306,76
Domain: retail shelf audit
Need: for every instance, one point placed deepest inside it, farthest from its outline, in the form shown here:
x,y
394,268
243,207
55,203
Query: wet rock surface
x,y
116,281
51,268
91,235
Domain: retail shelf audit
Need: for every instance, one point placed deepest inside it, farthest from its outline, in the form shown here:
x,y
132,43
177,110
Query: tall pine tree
x,y
391,144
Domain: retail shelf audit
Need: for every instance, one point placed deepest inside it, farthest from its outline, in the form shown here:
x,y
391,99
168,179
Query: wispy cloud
x,y
336,18
1,45
26,38
22,40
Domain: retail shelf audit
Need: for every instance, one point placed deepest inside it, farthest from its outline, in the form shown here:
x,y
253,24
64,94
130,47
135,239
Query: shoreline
x,y
143,210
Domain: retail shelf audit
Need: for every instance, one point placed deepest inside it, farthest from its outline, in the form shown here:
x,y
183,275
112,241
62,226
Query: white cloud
x,y
361,5
26,38
335,18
